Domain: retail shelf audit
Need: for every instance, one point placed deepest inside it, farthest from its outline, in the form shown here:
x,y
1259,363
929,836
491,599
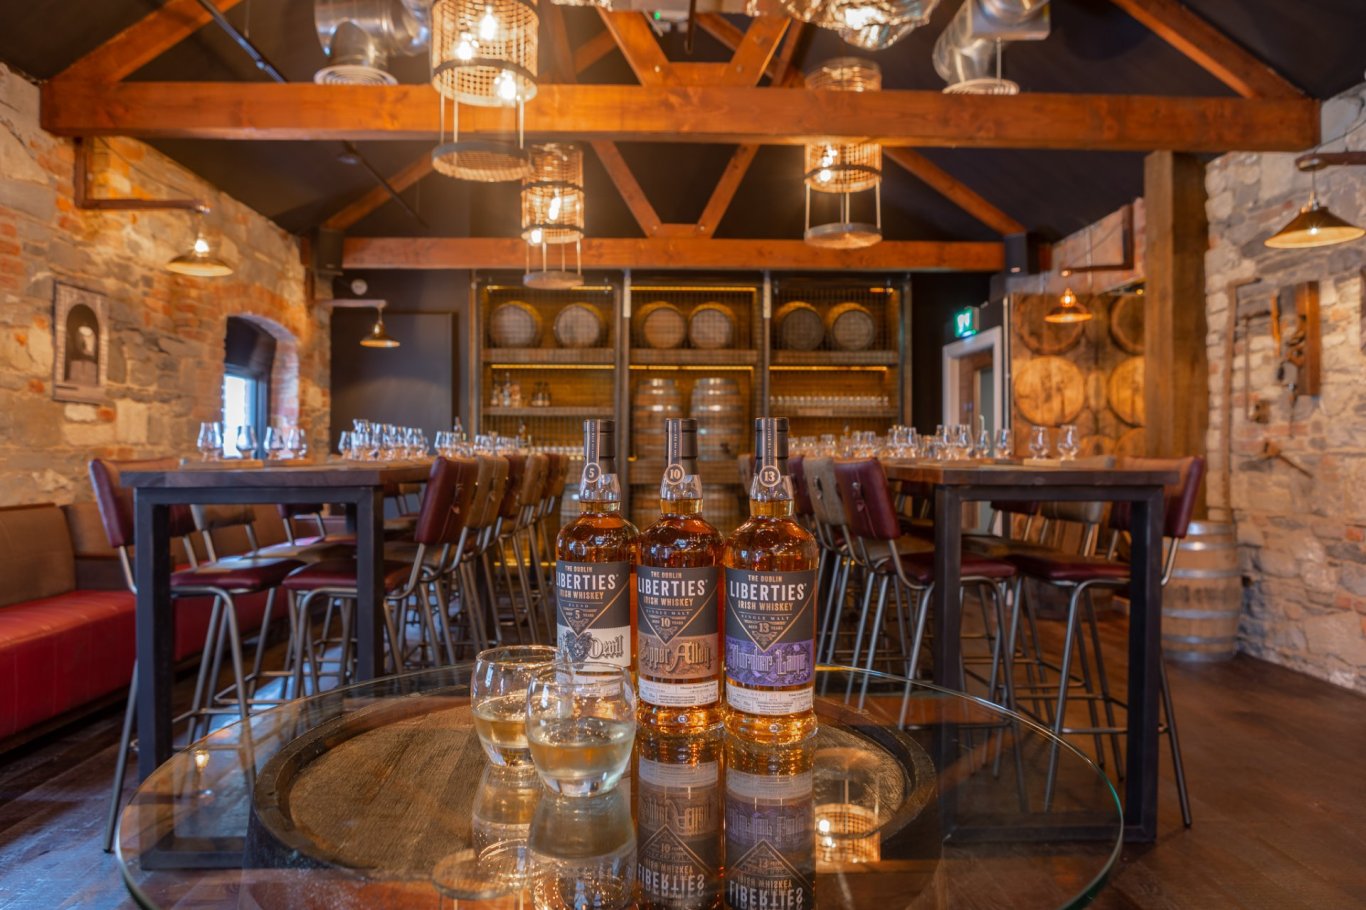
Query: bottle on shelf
x,y
678,663
770,605
770,825
677,785
594,555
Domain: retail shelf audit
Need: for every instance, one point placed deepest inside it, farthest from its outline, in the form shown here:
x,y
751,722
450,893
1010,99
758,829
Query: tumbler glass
x,y
580,724
583,853
498,695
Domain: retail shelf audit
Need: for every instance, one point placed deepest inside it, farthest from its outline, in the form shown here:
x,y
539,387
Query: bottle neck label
x,y
592,610
770,627
677,624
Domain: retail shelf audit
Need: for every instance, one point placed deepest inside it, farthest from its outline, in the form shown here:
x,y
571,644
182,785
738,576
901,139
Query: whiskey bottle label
x,y
770,639
770,841
593,610
677,644
679,819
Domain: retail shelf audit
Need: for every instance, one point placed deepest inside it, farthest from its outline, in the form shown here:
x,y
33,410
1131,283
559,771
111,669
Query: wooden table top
x,y
329,474
1021,475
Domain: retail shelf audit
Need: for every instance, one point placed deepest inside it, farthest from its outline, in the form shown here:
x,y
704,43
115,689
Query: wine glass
x,y
961,442
210,440
982,449
1069,443
1005,443
1038,442
294,442
498,697
275,444
346,446
580,725
246,442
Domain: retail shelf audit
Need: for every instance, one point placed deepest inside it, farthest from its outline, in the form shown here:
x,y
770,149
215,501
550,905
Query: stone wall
x,y
166,331
1302,536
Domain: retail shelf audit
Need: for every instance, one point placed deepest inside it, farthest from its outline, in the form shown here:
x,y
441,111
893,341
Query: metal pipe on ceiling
x,y
265,66
966,49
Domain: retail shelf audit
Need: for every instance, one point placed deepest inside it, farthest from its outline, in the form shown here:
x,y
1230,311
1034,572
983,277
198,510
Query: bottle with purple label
x,y
594,554
770,605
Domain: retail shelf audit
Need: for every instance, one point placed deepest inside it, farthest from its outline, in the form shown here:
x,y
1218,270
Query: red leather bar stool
x,y
437,525
221,580
878,544
476,582
827,511
1079,574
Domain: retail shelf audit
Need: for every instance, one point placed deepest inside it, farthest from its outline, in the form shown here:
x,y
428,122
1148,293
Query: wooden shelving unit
x,y
835,359
686,357
497,357
567,411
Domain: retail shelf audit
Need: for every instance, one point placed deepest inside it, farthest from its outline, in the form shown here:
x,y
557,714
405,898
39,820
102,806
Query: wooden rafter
x,y
726,188
754,54
1223,58
377,196
708,114
628,186
675,253
953,189
593,50
143,41
636,40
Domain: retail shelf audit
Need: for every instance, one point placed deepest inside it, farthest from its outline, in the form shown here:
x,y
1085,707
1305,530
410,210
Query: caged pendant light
x,y
553,213
844,168
483,53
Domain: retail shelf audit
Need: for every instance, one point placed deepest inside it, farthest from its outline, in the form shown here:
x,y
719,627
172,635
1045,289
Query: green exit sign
x,y
965,322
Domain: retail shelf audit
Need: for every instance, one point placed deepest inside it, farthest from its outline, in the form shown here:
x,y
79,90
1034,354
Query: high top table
x,y
379,796
358,486
951,485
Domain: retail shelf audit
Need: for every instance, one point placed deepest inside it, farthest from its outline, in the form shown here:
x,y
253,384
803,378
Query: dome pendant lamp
x,y
1315,225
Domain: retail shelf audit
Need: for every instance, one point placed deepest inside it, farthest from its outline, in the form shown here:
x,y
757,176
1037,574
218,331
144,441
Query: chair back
x,y
826,503
1179,497
534,480
115,501
559,472
512,493
869,511
1086,513
796,469
446,502
497,489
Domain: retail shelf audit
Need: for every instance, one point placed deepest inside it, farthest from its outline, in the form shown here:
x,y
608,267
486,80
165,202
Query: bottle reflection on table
x,y
770,826
678,817
583,852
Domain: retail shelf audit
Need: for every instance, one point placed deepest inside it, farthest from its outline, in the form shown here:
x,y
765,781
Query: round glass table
x,y
378,795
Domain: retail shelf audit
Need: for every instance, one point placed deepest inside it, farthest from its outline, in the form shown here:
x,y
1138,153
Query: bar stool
x,y
493,481
437,524
1080,574
223,580
877,544
827,510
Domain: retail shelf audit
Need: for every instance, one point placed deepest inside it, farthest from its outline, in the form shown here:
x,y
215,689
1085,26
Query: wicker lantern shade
x,y
844,168
552,194
480,160
484,51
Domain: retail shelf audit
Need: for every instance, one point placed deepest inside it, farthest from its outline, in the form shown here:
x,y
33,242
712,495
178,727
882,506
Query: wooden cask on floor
x,y
656,400
720,414
1203,602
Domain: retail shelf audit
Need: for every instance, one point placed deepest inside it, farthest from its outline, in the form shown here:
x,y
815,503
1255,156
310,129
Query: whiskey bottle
x,y
770,605
594,554
678,663
770,826
678,820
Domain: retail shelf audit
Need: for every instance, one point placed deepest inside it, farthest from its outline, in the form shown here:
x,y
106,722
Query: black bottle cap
x,y
680,442
600,443
779,430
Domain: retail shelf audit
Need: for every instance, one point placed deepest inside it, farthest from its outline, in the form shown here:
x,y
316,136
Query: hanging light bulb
x,y
535,236
507,86
199,261
488,25
554,209
464,49
379,336
1068,310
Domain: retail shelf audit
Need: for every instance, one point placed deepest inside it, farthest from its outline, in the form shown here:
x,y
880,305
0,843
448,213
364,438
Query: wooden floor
x,y
1276,761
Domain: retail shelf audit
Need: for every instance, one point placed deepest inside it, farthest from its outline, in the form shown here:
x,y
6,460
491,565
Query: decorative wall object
x,y
81,344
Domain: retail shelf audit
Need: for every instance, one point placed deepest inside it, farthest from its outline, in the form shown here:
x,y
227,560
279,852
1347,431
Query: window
x,y
242,407
248,355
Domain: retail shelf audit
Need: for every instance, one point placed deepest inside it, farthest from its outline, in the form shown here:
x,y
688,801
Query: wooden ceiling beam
x,y
707,114
726,188
637,41
953,189
754,54
628,187
1226,60
593,50
673,253
378,196
143,41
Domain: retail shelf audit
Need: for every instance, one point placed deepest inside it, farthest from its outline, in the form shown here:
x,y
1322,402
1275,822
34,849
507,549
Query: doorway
x,y
974,382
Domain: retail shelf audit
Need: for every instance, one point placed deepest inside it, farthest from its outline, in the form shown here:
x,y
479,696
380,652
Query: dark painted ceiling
x,y
1094,47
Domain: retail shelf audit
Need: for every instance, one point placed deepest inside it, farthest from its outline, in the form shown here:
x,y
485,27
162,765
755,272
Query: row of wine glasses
x,y
283,442
367,441
1068,444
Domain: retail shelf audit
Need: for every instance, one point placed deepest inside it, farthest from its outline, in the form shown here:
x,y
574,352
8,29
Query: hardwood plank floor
x,y
1274,761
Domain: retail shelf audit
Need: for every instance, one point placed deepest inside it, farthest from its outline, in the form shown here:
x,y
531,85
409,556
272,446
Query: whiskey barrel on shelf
x,y
1125,389
1203,601
1126,322
514,324
579,325
662,325
657,398
711,326
719,409
850,327
1049,391
799,326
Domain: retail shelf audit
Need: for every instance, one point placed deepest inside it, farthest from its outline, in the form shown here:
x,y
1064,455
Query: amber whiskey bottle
x,y
678,655
594,554
770,590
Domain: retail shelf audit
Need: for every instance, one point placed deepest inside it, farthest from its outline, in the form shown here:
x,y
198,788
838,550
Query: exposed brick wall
x,y
1301,538
165,331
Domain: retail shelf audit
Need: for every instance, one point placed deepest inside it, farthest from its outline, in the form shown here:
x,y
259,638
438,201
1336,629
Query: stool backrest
x,y
495,490
826,503
1179,497
446,501
559,470
534,481
1087,513
869,511
115,501
796,469
512,493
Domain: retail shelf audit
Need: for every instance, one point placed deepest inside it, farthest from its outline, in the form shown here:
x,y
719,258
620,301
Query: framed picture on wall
x,y
80,344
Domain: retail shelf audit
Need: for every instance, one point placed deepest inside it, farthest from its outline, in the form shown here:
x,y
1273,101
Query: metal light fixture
x,y
834,167
379,336
872,25
1315,225
199,261
1069,310
553,213
483,54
